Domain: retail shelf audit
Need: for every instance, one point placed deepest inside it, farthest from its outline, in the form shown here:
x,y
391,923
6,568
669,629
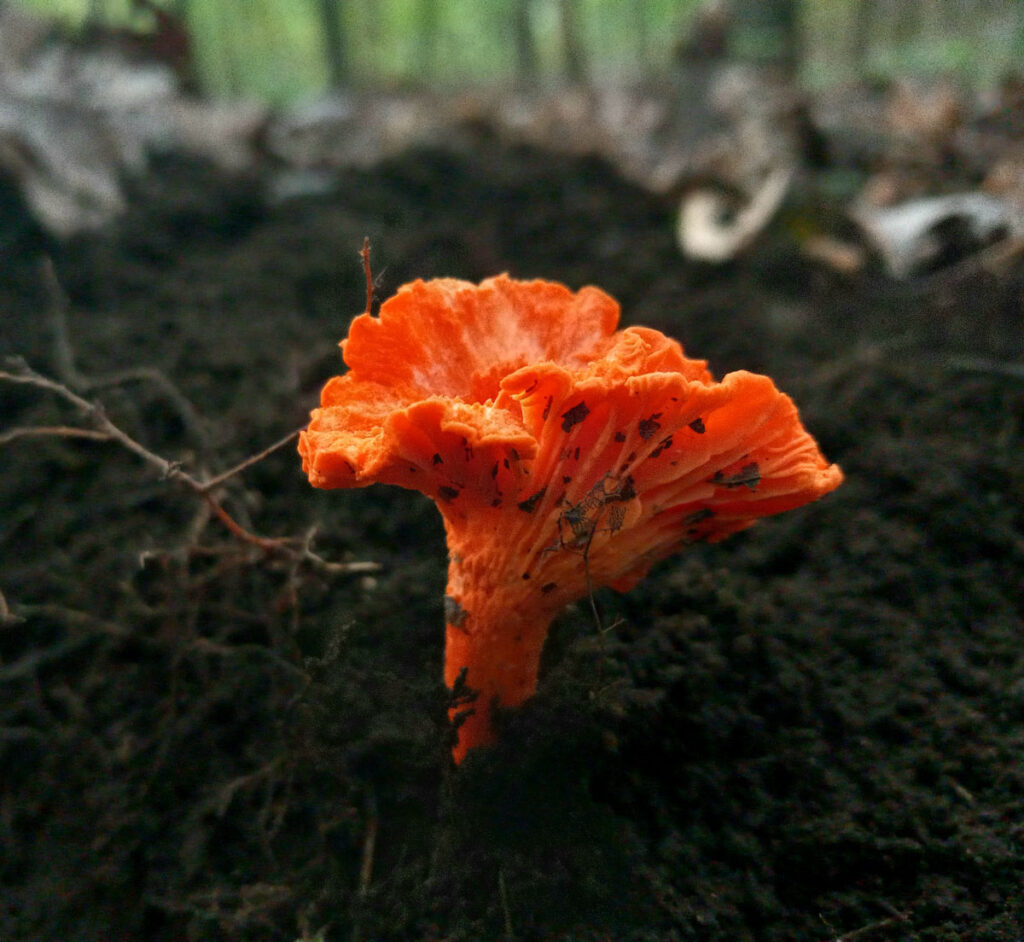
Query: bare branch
x,y
27,665
26,375
7,617
894,918
991,367
268,544
870,929
105,429
219,479
364,254
63,353
366,867
52,431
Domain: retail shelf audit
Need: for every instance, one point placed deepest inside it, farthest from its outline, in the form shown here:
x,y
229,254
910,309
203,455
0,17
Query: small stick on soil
x,y
369,847
991,367
872,927
52,431
364,254
506,912
7,617
63,353
366,868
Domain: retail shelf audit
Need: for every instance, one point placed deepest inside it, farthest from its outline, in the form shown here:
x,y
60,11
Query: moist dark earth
x,y
812,731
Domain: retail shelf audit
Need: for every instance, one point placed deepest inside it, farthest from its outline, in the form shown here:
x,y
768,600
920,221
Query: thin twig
x,y
226,793
506,911
366,867
364,254
79,621
27,665
887,922
265,543
985,365
870,928
7,617
219,479
52,431
63,353
20,372
369,847
595,612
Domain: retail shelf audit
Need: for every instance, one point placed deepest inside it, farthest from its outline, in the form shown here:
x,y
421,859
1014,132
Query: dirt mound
x,y
812,731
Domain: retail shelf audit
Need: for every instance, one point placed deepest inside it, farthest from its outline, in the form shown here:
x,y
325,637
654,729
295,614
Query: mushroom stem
x,y
495,632
501,659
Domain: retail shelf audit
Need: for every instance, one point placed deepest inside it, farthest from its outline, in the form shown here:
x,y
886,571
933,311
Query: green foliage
x,y
262,48
274,49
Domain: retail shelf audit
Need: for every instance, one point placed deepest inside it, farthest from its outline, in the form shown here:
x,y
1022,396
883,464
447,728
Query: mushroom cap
x,y
557,448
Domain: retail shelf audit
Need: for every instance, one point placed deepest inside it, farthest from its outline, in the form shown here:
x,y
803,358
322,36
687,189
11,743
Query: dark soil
x,y
812,731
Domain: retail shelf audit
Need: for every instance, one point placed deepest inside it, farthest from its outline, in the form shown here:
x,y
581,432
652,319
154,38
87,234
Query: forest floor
x,y
812,731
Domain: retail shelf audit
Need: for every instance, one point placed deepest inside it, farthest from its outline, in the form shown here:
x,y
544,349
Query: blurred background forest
x,y
281,50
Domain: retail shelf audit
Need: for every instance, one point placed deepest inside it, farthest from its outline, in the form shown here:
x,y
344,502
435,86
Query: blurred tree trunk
x,y
935,18
791,53
429,30
96,12
332,25
864,17
902,17
643,33
526,49
573,54
223,64
768,31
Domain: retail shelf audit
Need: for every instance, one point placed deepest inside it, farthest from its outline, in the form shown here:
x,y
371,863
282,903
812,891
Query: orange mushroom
x,y
563,455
